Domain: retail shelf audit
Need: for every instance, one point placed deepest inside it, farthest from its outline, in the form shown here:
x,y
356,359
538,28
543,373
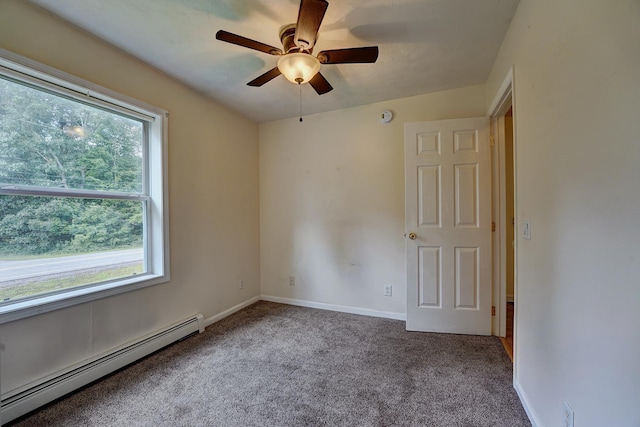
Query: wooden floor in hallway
x,y
507,341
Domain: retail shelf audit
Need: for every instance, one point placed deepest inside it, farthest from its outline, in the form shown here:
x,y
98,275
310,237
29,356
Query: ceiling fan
x,y
296,61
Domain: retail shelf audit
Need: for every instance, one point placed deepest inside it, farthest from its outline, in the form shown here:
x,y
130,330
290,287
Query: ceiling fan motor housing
x,y
287,36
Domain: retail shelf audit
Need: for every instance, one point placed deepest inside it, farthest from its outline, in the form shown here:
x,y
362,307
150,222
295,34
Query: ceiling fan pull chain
x,y
300,92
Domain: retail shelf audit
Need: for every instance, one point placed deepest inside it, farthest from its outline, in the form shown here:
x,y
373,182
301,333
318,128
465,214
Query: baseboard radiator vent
x,y
34,395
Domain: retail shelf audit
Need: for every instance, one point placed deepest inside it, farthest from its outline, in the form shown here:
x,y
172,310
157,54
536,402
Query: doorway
x,y
507,340
504,201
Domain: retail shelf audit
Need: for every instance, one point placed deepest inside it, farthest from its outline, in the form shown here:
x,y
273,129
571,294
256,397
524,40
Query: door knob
x,y
412,236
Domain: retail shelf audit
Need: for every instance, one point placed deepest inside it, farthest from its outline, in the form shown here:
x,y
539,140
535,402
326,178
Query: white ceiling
x,y
425,46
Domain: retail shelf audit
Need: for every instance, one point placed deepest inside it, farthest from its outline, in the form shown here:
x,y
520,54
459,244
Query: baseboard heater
x,y
34,395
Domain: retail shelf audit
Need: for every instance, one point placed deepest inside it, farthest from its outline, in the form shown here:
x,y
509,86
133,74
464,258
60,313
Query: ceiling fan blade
x,y
266,77
245,42
349,56
320,84
309,19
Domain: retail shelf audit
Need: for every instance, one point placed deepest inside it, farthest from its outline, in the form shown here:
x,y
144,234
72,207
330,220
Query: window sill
x,y
20,309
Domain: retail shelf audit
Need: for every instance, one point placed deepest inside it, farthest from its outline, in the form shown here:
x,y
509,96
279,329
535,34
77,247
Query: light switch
x,y
526,229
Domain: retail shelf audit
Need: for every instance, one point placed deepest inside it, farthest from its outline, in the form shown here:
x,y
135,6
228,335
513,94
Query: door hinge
x,y
493,226
492,140
493,310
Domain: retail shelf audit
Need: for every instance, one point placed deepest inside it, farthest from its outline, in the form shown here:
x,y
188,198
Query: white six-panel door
x,y
448,225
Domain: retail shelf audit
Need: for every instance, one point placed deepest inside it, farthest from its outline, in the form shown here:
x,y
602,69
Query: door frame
x,y
503,100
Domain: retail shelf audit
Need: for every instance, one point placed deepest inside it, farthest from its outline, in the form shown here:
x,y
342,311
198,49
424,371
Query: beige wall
x,y
332,200
213,195
577,101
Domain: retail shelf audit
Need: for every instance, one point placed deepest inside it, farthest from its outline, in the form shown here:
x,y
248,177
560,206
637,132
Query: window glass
x,y
53,243
51,141
82,192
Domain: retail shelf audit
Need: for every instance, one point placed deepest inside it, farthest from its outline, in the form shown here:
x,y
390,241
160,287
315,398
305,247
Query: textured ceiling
x,y
425,46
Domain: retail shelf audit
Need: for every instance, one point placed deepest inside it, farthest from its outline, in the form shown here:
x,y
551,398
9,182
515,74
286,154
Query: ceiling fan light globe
x,y
298,67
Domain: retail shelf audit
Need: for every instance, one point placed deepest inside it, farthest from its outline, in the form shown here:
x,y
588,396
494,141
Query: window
x,y
82,191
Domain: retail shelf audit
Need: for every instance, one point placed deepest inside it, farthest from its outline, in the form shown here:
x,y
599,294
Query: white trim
x,y
524,401
498,325
504,92
213,319
505,97
57,80
28,307
499,106
500,217
35,190
333,307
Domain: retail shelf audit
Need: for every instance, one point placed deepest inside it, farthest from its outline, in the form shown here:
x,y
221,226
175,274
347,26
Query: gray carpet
x,y
278,365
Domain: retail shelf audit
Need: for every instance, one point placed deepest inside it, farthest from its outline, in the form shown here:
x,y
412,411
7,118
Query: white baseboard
x,y
213,319
523,399
333,307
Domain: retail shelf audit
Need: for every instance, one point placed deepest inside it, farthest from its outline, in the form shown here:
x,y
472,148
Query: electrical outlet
x,y
568,414
241,284
388,290
292,280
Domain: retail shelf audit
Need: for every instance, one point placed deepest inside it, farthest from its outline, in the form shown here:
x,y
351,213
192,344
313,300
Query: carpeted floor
x,y
279,365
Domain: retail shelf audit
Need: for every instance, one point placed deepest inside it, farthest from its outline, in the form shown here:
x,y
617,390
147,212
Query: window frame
x,y
154,191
